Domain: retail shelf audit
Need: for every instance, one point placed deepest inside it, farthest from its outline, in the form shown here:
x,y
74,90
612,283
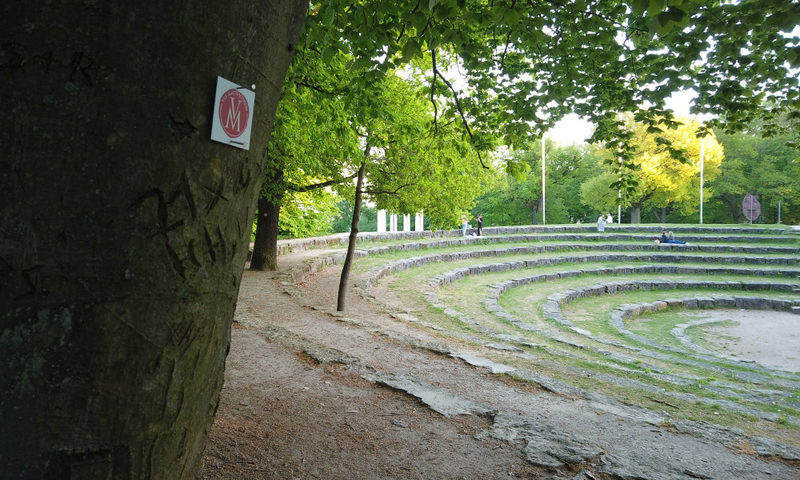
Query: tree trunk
x,y
351,245
661,214
534,210
265,246
123,227
636,214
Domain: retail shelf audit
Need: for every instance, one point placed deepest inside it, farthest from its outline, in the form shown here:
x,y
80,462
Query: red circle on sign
x,y
234,113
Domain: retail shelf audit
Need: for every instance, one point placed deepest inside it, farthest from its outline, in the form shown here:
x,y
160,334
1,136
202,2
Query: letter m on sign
x,y
233,113
233,122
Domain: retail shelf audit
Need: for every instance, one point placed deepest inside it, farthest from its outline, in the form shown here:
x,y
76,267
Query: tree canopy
x,y
526,64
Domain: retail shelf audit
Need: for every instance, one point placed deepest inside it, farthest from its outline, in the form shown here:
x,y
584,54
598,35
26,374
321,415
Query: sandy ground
x,y
768,338
301,400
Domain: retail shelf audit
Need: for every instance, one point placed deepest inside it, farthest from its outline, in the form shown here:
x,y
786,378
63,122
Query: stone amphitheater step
x,y
340,239
400,265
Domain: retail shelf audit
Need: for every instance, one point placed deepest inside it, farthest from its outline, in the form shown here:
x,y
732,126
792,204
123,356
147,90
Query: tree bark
x,y
265,246
636,214
123,227
535,205
351,244
662,214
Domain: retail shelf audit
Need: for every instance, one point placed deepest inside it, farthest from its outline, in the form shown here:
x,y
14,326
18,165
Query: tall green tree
x,y
767,167
410,163
664,179
669,182
516,200
123,227
313,147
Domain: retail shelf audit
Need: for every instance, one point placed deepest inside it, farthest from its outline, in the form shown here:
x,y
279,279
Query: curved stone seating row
x,y
537,233
636,237
654,229
492,305
551,308
459,273
491,300
397,266
727,391
730,234
629,311
646,244
449,239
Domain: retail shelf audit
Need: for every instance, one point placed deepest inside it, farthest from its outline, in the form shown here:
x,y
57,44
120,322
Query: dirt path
x,y
312,394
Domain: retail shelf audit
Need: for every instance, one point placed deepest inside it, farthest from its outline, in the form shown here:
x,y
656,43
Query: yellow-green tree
x,y
666,182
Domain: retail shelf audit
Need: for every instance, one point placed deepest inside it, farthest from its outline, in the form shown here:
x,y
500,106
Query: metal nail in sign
x,y
233,114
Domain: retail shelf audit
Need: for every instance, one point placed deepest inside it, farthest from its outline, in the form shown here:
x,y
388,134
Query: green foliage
x,y
598,193
417,164
769,168
307,214
667,179
313,140
527,64
524,65
515,200
368,221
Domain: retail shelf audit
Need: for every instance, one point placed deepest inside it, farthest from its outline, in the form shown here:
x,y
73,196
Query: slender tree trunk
x,y
265,246
123,227
351,245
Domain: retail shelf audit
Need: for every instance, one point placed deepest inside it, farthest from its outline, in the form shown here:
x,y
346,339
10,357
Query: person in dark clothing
x,y
669,238
480,224
672,239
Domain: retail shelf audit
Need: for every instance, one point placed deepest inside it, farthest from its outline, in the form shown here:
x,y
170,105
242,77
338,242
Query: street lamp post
x,y
544,222
619,194
702,159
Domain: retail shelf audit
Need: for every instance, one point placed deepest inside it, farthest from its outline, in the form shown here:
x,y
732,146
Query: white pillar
x,y
418,222
406,223
393,222
381,221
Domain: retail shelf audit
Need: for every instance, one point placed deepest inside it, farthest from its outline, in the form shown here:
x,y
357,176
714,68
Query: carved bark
x,y
123,227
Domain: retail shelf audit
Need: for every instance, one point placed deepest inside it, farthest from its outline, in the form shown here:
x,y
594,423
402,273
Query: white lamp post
x,y
544,222
702,160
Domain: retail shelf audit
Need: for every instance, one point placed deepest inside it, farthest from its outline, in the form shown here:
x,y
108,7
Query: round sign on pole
x,y
233,114
751,207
